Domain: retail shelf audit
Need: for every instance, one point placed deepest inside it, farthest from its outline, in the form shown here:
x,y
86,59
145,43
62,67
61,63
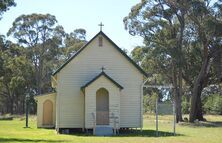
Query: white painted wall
x,y
86,66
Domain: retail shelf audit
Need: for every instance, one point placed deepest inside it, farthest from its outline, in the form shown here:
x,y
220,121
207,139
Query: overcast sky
x,y
87,14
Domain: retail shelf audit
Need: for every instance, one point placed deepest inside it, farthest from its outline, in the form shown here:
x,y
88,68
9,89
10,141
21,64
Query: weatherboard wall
x,y
84,68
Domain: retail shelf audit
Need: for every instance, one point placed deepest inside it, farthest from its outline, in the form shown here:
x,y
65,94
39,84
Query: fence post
x,y
174,119
27,97
157,117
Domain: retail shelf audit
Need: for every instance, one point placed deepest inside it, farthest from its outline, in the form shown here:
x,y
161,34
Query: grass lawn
x,y
204,132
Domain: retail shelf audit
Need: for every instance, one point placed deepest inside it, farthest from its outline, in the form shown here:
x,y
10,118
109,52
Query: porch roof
x,y
98,76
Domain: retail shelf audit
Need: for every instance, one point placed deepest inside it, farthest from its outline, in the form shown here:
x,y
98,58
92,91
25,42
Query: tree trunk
x,y
177,97
196,107
11,107
7,106
199,114
179,88
39,81
178,106
180,118
10,100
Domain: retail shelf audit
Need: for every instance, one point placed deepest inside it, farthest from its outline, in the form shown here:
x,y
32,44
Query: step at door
x,y
104,131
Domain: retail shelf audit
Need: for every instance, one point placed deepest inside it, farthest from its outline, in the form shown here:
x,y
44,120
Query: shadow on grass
x,y
146,133
135,133
202,124
5,140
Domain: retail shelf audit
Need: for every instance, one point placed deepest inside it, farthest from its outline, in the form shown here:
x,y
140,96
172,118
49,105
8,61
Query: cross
x,y
102,68
101,26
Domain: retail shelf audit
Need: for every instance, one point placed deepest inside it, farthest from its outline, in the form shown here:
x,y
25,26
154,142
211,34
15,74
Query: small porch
x,y
46,111
102,105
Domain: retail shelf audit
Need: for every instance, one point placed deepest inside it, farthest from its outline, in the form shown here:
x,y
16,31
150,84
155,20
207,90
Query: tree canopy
x,y
26,66
182,44
5,5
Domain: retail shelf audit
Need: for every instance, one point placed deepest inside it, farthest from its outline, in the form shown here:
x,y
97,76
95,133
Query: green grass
x,y
203,132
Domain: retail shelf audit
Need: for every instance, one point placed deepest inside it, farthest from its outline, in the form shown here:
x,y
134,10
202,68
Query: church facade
x,y
98,86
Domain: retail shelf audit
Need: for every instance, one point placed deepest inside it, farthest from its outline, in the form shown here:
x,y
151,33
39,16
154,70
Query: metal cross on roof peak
x,y
103,68
101,26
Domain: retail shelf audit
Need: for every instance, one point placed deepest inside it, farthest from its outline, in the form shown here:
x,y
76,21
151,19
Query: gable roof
x,y
119,49
98,76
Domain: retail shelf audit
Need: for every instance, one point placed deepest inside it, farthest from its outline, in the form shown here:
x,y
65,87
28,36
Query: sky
x,y
87,14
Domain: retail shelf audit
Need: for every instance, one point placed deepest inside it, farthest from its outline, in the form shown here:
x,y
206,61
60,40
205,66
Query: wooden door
x,y
47,112
102,107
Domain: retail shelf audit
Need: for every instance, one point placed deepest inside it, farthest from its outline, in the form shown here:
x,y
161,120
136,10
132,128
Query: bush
x,y
213,104
149,103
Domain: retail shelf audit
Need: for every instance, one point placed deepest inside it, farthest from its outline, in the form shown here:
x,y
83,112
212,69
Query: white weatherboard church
x,y
99,86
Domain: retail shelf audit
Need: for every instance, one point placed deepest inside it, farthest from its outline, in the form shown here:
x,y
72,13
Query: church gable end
x,y
100,44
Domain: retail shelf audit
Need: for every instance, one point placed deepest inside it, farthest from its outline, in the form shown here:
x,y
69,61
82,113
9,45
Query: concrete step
x,y
104,131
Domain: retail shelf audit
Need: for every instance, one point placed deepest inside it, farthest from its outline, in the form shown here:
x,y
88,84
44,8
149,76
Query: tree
x,y
161,24
40,34
184,36
45,46
74,41
4,6
207,20
15,77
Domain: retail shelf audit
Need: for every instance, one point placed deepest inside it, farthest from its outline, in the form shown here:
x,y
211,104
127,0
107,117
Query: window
x,y
100,41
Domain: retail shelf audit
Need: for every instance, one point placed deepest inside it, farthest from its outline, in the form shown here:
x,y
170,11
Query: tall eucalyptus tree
x,y
161,23
41,34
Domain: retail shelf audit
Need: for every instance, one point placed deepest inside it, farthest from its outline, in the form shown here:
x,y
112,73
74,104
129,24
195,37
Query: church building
x,y
99,86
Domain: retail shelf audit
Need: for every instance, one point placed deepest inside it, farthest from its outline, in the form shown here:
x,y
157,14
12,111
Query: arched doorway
x,y
47,112
102,107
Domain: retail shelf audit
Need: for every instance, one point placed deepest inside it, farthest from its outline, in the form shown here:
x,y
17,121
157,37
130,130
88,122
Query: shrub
x,y
213,104
149,103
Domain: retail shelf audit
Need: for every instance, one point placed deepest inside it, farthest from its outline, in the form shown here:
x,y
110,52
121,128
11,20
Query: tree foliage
x,y
182,44
5,5
74,41
41,35
27,65
15,77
